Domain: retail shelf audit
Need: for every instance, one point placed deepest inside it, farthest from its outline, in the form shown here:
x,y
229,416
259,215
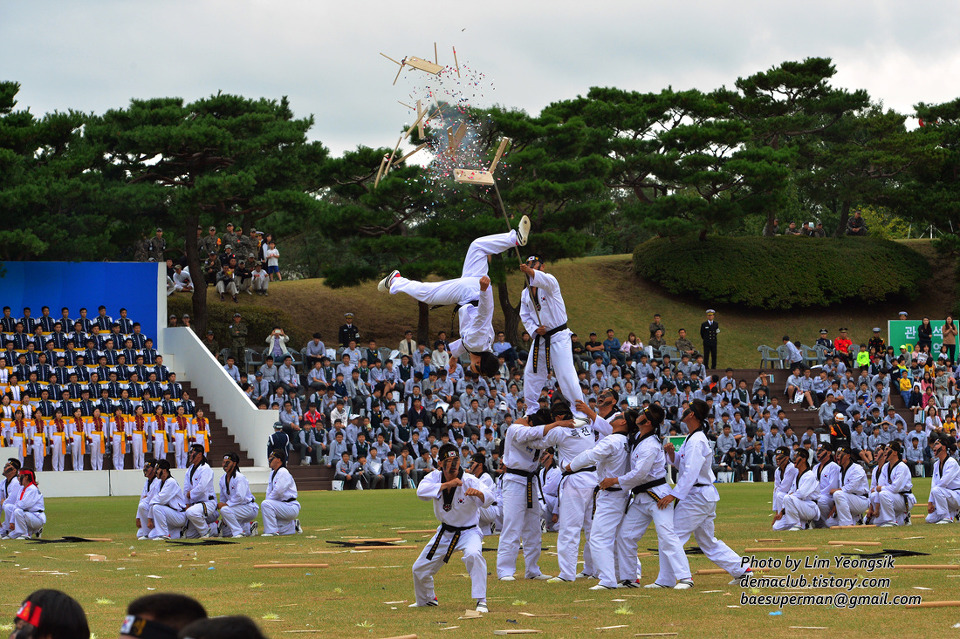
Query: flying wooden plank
x,y
454,138
496,158
401,161
291,565
420,114
423,65
472,176
383,165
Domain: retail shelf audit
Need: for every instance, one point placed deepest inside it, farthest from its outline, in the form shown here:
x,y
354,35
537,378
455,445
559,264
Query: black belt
x,y
596,490
701,485
529,474
589,469
457,307
456,530
546,345
287,501
646,488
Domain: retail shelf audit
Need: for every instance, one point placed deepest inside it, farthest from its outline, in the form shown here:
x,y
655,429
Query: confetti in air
x,y
449,133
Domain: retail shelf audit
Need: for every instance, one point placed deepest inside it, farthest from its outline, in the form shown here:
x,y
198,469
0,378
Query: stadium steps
x,y
800,419
313,477
221,441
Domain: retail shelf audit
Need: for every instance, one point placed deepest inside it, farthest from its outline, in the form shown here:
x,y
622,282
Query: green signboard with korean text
x,y
904,333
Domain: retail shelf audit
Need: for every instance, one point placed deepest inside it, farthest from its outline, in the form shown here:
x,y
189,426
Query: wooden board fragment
x,y
853,543
782,549
291,565
927,566
423,65
496,158
472,176
935,604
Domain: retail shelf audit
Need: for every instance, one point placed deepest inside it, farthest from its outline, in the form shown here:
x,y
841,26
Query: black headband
x,y
146,628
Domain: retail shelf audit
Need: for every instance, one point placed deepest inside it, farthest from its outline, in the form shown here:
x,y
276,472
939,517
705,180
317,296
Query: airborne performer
x,y
471,293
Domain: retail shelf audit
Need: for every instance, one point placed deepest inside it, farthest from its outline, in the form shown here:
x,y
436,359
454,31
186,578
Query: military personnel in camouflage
x,y
210,244
211,343
238,338
156,246
684,345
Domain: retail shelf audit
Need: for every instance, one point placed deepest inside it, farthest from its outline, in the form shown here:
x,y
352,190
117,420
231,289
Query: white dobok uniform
x,y
647,475
612,561
166,509
783,481
829,477
851,499
800,504
896,495
280,507
459,516
240,508
150,488
26,511
945,490
200,499
521,502
575,497
476,306
552,315
696,509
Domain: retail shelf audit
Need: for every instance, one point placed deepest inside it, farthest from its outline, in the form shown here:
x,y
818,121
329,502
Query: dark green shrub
x,y
783,272
260,320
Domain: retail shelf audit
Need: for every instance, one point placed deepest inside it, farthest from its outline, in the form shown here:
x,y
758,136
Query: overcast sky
x,y
94,55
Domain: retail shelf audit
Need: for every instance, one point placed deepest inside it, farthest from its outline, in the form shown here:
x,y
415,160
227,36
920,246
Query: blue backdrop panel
x,y
131,285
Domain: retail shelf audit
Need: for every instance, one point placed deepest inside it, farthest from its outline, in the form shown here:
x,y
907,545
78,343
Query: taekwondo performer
x,y
646,480
471,293
238,508
828,474
614,563
150,487
800,503
896,493
544,315
457,499
555,428
521,502
783,477
198,494
850,499
944,502
697,497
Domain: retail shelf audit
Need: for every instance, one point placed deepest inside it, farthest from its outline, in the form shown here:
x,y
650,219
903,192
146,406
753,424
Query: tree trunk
x,y
844,216
196,274
423,324
511,314
768,227
703,235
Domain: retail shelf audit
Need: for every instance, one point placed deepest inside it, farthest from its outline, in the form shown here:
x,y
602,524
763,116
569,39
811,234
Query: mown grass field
x,y
600,293
349,599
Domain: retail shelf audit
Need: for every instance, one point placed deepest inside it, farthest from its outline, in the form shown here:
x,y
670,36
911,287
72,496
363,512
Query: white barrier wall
x,y
112,483
186,355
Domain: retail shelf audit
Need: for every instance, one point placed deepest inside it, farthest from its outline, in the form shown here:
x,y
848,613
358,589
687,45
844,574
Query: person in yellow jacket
x,y
863,357
97,439
78,434
58,432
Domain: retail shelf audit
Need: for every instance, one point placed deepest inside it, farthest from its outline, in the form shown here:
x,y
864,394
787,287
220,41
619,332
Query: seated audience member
x,y
160,615
50,614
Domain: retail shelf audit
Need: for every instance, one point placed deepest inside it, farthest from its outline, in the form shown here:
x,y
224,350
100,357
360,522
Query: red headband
x,y
30,613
